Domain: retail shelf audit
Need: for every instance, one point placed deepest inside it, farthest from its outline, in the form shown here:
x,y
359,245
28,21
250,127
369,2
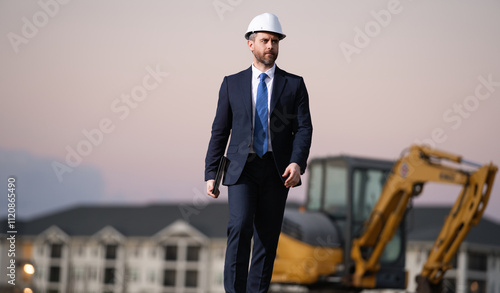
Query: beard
x,y
266,59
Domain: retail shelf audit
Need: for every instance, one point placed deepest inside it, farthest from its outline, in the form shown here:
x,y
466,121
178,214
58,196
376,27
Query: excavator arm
x,y
409,174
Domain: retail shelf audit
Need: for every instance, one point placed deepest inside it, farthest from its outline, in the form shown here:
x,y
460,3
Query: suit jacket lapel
x,y
246,90
278,86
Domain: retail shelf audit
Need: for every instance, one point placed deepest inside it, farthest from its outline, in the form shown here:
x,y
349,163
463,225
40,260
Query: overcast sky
x,y
112,101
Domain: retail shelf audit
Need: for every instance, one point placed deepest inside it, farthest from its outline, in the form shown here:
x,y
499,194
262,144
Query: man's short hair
x,y
253,35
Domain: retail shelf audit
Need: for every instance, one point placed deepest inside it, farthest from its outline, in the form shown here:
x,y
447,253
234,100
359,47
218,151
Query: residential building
x,y
476,267
112,249
179,248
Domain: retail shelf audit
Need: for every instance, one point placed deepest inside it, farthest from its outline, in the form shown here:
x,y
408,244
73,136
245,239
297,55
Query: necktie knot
x,y
263,77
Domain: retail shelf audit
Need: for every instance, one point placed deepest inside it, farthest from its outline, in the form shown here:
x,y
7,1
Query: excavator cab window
x,y
335,189
315,198
328,188
367,186
366,189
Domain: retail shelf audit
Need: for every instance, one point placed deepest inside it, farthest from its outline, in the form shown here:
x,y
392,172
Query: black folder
x,y
220,172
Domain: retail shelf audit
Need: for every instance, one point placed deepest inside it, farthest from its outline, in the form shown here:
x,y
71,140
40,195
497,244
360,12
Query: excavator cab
x,y
342,192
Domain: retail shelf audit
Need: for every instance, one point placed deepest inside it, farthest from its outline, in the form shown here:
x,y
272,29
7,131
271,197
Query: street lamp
x,y
29,269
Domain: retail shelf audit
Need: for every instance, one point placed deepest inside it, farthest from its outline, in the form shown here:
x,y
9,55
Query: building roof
x,y
211,220
424,223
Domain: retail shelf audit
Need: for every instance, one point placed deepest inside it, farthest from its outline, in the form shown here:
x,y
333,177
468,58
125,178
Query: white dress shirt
x,y
255,84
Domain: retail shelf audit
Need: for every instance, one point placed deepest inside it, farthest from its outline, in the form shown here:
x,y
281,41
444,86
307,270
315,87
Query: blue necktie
x,y
260,130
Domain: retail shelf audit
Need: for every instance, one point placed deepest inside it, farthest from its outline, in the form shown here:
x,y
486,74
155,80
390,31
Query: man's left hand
x,y
293,174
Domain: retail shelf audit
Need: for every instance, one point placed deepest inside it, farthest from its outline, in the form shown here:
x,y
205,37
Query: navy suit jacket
x,y
290,124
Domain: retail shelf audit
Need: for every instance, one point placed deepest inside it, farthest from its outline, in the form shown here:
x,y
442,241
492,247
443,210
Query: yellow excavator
x,y
351,236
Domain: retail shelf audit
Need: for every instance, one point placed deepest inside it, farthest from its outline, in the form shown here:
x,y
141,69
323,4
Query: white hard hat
x,y
265,22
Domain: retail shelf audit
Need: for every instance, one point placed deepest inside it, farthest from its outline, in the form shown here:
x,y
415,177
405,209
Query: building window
x,y
478,261
109,276
111,251
454,261
218,278
193,253
170,252
40,273
191,279
491,286
54,274
81,250
152,276
133,275
449,285
169,278
92,273
56,250
78,274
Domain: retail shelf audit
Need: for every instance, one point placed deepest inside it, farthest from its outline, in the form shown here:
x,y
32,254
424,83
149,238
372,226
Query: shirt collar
x,y
270,72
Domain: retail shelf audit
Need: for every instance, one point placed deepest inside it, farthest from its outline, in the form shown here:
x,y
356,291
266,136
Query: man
x,y
265,111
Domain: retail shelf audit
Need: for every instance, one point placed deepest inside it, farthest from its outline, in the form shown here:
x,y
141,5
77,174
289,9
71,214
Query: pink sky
x,y
381,76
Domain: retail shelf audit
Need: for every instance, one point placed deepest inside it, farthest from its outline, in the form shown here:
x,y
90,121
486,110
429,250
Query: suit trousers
x,y
256,206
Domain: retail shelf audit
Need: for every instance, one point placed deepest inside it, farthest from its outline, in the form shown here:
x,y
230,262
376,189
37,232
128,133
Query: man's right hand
x,y
210,188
